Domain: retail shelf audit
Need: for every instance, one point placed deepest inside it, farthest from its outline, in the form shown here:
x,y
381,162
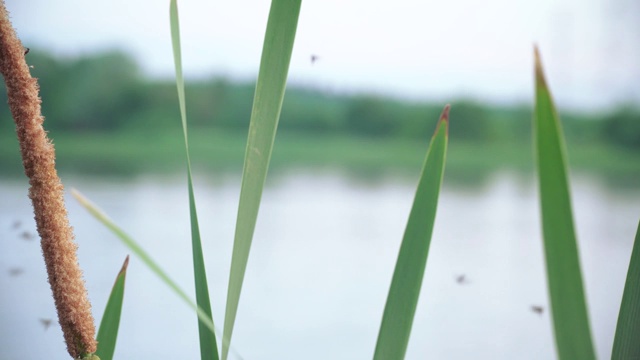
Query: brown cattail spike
x,y
46,193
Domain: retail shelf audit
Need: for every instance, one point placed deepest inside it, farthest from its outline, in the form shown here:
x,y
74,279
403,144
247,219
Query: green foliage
x,y
108,331
89,93
623,128
402,301
568,305
472,121
371,116
158,109
143,255
106,92
219,103
626,344
208,344
267,104
312,112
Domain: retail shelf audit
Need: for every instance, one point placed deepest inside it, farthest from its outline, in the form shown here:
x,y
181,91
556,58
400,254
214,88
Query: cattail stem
x,y
46,193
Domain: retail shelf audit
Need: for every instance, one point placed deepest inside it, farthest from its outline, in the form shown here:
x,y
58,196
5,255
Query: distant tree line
x,y
107,92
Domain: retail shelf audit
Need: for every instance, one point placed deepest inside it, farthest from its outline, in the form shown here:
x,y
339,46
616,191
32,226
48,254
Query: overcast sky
x,y
416,49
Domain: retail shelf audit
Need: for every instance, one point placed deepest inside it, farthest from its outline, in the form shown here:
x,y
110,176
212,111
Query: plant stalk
x,y
47,196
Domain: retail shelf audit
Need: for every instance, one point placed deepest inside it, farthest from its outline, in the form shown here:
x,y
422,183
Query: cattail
x,y
46,193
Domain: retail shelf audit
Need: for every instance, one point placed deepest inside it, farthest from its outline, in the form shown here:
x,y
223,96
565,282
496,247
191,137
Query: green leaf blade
x,y
110,323
208,343
143,255
568,304
269,94
626,344
404,291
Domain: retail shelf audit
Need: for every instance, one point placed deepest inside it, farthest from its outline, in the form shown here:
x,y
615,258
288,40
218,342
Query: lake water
x,y
321,263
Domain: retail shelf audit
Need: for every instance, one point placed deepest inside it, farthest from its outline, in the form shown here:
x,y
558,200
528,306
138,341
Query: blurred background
x,y
367,82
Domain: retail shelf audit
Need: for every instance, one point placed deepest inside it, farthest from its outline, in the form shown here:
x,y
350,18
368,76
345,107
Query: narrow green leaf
x,y
146,259
208,345
627,341
402,300
267,103
108,331
568,304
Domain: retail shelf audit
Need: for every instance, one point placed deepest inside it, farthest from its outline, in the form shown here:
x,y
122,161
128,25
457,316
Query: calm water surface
x,y
320,267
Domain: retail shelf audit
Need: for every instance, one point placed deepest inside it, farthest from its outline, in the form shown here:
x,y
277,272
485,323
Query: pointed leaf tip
x,y
445,113
108,330
402,300
538,66
444,118
125,265
564,279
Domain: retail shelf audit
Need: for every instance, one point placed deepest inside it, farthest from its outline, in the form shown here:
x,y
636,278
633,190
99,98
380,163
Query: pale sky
x,y
416,49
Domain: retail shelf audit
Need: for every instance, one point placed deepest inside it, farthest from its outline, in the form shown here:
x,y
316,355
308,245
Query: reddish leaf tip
x,y
445,113
444,118
125,265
